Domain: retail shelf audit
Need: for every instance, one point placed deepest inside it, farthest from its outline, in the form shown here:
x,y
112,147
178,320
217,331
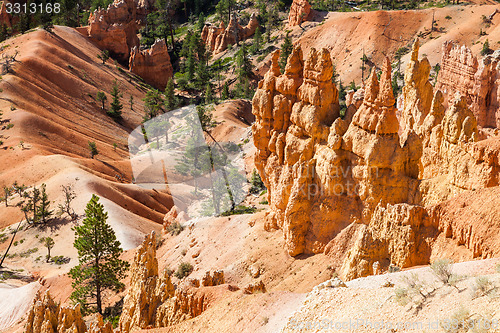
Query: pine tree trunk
x,y
11,241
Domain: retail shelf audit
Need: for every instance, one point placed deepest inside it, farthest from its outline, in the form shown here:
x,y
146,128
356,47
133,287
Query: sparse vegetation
x,y
60,260
153,104
244,73
415,292
240,209
170,98
28,252
183,270
257,185
7,191
486,48
101,97
6,254
69,196
482,286
286,50
104,56
459,321
35,204
115,110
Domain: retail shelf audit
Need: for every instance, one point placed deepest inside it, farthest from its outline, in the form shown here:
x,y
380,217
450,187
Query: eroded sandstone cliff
x,y
218,38
153,64
153,301
147,289
300,11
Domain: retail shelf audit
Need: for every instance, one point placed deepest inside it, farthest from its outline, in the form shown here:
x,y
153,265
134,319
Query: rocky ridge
x,y
364,189
5,18
152,300
115,28
217,39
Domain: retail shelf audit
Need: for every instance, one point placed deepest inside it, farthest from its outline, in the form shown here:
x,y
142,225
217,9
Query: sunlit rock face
x,y
375,188
153,64
217,39
322,172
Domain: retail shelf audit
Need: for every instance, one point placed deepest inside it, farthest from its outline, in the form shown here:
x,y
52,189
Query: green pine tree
x,y
286,50
257,42
4,33
104,56
256,183
30,205
201,22
49,243
195,161
116,107
131,101
223,9
100,268
43,212
7,193
244,72
170,99
486,48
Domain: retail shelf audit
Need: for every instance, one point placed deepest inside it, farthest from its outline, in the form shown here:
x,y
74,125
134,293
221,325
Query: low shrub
x,y
183,270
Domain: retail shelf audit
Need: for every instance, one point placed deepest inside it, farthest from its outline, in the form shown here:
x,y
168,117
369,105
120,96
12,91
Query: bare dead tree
x,y
11,241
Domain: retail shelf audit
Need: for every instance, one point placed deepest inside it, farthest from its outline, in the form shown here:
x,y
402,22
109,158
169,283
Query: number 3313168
x,y
33,8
